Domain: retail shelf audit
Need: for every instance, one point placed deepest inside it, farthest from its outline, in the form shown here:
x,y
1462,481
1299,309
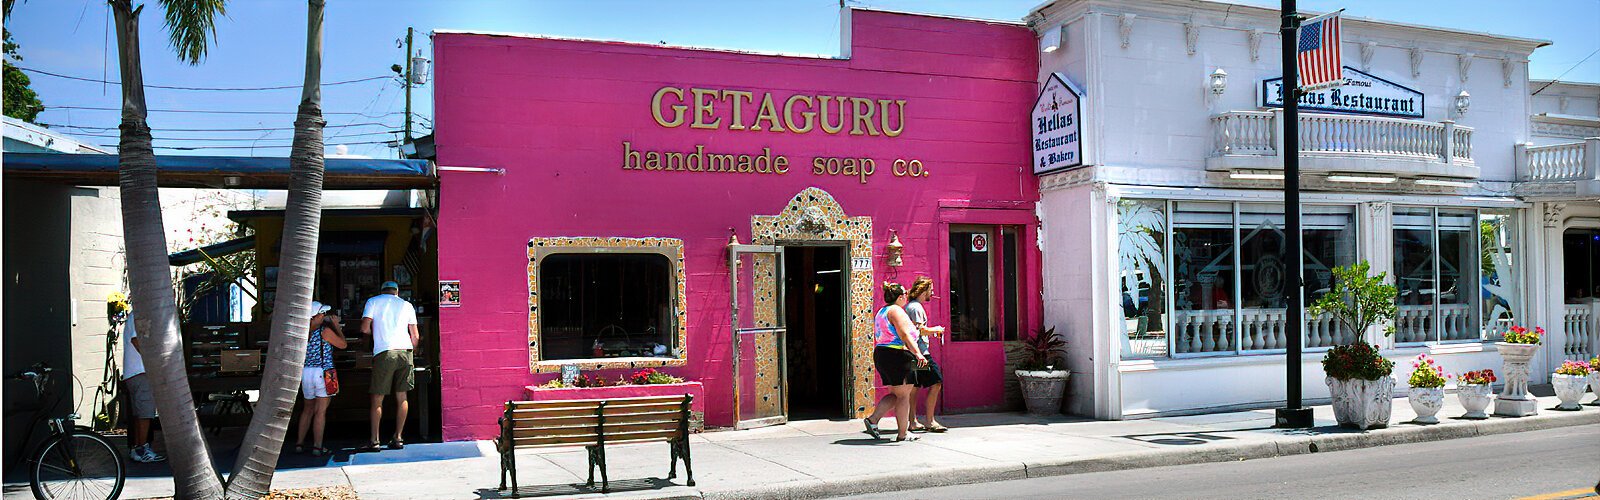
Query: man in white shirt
x,y
140,397
392,324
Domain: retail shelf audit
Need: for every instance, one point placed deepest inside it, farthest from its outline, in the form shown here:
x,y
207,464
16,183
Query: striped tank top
x,y
888,335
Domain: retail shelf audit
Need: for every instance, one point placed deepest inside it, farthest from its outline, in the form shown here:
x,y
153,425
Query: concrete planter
x,y
1475,398
1042,390
1426,401
1362,404
1569,389
1514,400
1594,386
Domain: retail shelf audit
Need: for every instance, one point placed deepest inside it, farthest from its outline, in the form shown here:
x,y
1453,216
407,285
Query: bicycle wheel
x,y
80,466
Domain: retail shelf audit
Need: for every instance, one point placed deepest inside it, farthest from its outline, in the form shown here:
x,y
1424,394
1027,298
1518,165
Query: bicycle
x,y
74,462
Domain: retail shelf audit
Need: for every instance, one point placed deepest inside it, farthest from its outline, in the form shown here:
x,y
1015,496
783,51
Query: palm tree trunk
x,y
297,262
150,278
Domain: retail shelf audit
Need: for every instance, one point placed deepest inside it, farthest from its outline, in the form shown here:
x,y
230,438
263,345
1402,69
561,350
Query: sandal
x,y
918,427
936,428
299,448
872,429
397,444
905,438
372,446
318,451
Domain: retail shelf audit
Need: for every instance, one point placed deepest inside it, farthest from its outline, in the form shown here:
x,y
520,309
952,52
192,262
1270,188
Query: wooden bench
x,y
593,424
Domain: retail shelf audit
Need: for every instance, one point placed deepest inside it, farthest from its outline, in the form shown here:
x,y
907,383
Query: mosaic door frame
x,y
813,216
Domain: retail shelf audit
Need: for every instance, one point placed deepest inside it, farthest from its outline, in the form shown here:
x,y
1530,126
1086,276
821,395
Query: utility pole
x,y
1294,415
406,61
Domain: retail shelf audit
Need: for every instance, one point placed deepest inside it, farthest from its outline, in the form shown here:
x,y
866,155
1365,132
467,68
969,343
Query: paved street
x,y
1538,463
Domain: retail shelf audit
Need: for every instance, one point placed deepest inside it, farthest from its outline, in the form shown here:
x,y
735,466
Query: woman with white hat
x,y
318,382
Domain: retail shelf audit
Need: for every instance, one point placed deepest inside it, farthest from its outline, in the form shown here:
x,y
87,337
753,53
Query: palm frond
x,y
192,25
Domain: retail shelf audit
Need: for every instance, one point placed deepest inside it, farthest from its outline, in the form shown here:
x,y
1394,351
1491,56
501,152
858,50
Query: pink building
x,y
605,246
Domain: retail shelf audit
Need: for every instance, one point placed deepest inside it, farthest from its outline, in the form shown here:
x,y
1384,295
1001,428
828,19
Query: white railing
x,y
1413,324
1579,325
1259,329
1259,133
1575,161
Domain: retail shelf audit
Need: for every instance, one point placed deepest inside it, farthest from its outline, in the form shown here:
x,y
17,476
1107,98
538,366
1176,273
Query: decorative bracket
x,y
1191,35
1464,64
1416,62
1552,214
1125,27
1367,49
1507,69
813,221
1255,44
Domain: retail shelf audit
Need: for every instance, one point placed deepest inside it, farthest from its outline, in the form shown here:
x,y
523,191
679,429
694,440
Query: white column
x,y
1553,314
1375,239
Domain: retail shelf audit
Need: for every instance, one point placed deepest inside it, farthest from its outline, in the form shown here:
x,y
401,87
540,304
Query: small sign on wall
x,y
569,374
1056,118
449,293
861,264
980,243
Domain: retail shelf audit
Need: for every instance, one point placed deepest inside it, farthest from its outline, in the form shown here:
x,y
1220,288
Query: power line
x,y
1564,73
224,112
226,89
248,139
192,148
261,129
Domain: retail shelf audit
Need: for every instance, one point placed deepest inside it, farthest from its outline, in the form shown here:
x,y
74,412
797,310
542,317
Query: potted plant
x,y
1517,348
1472,389
1042,384
1568,382
1427,389
1359,378
1594,379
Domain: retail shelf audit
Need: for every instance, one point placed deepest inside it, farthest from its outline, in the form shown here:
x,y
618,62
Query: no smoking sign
x,y
980,242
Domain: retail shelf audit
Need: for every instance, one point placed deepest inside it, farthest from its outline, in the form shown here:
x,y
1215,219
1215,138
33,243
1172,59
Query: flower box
x,y
695,389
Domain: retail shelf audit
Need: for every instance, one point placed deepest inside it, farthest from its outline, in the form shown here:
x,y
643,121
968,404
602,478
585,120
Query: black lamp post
x,y
1294,415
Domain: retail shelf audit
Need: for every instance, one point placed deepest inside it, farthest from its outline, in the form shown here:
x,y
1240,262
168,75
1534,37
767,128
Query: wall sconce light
x,y
1051,39
895,249
1219,82
1463,100
733,237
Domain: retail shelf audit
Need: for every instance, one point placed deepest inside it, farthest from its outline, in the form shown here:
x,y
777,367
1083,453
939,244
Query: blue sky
x,y
261,43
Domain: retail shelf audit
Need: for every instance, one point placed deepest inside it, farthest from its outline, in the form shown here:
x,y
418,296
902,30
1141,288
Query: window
x,y
1141,251
606,306
1210,277
984,301
1454,272
1203,264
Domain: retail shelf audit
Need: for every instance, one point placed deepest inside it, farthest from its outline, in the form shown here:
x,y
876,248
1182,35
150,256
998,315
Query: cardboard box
x,y
241,360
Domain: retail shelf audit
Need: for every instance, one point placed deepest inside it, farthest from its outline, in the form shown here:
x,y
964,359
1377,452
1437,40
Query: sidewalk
x,y
814,459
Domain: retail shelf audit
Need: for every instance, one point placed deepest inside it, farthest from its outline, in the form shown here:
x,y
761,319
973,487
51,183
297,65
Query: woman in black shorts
x,y
896,359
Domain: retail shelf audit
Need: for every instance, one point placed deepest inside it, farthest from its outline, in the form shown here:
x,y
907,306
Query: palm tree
x,y
145,238
297,262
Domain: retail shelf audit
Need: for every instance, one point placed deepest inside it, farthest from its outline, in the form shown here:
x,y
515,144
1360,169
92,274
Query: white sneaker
x,y
154,457
143,454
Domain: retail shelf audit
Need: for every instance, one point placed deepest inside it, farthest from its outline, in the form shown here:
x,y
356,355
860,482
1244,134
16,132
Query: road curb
x,y
1287,445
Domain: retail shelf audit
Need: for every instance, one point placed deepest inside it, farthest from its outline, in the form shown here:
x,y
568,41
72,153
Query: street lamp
x,y
1051,39
1463,100
1219,82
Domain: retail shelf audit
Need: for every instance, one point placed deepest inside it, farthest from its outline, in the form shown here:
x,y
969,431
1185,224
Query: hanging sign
x,y
449,293
980,243
1056,118
1361,93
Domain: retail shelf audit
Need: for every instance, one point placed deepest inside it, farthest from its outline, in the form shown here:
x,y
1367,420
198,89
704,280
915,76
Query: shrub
x,y
1356,361
1358,300
1042,350
1427,373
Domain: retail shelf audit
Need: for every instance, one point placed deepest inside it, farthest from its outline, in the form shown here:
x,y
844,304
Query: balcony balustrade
x,y
1343,143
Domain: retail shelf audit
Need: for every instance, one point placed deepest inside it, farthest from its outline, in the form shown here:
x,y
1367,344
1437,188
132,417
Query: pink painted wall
x,y
554,114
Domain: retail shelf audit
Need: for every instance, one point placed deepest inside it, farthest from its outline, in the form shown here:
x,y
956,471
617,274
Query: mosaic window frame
x,y
671,248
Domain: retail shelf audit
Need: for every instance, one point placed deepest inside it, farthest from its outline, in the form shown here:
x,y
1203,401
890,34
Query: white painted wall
x,y
1076,259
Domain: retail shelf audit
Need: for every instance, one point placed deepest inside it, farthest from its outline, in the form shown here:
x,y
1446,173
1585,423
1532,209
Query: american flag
x,y
1319,59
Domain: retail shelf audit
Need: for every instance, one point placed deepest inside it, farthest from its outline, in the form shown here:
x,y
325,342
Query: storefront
x,y
1164,245
728,217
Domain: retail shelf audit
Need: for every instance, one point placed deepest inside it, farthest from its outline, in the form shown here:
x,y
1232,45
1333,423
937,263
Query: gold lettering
x,y
674,160
652,161
780,165
704,108
899,168
719,163
764,162
816,166
863,116
900,106
744,166
738,98
867,168
788,113
824,102
769,112
698,159
677,109
630,158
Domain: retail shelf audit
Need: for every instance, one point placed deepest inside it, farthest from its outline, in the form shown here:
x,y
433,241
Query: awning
x,y
214,250
241,172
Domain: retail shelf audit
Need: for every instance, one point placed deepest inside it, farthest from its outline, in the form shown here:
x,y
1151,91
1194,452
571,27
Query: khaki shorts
x,y
143,399
391,372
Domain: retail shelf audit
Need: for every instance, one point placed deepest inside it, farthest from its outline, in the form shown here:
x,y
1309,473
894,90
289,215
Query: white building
x,y
1163,251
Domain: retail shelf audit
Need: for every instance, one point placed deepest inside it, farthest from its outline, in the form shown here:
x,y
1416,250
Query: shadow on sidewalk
x,y
566,490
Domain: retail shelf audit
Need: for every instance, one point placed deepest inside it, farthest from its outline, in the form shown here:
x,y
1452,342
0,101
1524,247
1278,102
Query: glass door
x,y
984,307
759,335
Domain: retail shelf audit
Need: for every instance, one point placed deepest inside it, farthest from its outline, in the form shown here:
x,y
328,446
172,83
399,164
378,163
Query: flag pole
x,y
1294,415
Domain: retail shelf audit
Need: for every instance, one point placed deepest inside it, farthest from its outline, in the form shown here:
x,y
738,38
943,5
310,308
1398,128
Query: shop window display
x,y
606,305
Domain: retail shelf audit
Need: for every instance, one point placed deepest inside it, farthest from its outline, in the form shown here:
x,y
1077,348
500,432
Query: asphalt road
x,y
1550,464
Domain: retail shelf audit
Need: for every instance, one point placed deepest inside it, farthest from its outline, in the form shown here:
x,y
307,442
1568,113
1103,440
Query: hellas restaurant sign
x,y
1361,93
1056,117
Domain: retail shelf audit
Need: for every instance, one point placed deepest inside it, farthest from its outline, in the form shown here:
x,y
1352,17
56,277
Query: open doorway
x,y
814,311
